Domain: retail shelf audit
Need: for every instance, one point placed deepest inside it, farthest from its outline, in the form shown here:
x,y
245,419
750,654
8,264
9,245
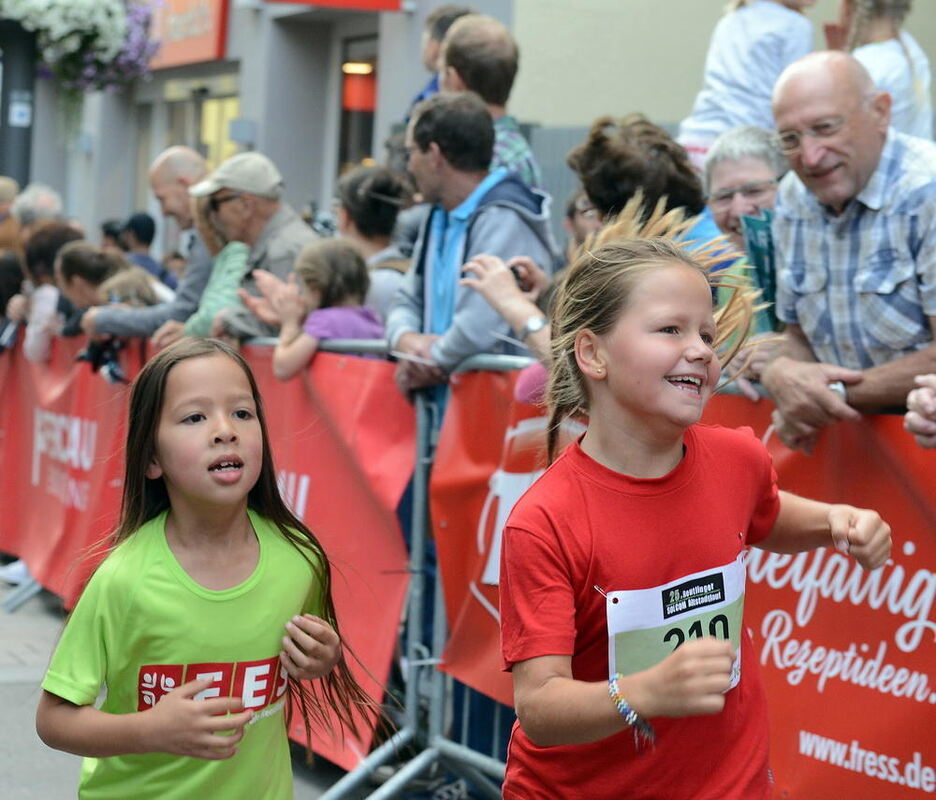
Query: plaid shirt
x,y
862,284
512,152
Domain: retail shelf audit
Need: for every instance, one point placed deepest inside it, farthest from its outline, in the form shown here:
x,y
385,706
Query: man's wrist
x,y
840,389
535,323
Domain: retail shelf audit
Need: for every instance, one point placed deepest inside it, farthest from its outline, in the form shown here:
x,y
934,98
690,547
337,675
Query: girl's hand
x,y
691,680
311,649
287,302
860,533
499,284
529,275
183,726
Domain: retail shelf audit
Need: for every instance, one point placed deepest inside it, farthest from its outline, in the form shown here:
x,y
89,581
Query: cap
x,y
252,173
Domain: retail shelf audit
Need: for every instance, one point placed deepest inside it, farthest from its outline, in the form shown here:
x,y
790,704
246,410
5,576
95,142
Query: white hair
x,y
748,141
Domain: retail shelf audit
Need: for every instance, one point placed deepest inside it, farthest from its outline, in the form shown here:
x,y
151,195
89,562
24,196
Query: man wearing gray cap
x,y
245,203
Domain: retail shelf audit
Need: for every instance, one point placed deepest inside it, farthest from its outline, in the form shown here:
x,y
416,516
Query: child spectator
x,y
88,276
647,506
369,199
207,567
46,307
751,46
332,284
132,286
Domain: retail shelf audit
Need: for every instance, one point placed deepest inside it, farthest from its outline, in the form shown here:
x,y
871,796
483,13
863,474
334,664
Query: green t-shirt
x,y
143,627
227,273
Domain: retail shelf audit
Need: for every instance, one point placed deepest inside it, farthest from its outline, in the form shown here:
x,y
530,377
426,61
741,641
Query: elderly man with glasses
x,y
245,203
855,239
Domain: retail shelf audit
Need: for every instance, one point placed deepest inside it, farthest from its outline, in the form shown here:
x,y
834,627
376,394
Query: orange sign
x,y
189,31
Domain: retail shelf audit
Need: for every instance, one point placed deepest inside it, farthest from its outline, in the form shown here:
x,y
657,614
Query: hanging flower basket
x,y
88,45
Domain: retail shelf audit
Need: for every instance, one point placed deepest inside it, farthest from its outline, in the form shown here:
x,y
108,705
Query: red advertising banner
x,y
848,657
62,466
344,444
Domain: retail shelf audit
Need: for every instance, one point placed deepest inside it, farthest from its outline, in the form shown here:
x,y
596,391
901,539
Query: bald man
x,y
855,238
170,176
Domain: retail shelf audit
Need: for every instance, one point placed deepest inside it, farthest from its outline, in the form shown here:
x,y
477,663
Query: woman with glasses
x,y
742,171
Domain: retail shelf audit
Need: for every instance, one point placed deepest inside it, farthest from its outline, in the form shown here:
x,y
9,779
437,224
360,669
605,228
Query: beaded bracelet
x,y
642,729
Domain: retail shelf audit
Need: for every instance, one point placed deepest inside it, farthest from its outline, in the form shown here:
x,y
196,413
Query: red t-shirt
x,y
582,525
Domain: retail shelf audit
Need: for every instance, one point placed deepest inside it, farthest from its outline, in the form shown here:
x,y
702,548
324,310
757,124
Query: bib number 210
x,y
717,627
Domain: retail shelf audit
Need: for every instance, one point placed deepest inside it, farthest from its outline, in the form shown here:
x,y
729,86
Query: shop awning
x,y
354,5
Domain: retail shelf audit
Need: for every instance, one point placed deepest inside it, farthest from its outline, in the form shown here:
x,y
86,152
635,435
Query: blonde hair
x,y
597,286
131,285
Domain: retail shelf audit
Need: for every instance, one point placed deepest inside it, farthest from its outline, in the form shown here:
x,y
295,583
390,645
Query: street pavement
x,y
28,769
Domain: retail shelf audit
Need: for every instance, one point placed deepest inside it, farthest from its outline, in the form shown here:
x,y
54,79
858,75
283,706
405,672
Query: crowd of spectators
x,y
454,255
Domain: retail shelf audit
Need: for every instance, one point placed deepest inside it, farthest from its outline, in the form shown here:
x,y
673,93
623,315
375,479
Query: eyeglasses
x,y
215,202
755,192
585,207
790,142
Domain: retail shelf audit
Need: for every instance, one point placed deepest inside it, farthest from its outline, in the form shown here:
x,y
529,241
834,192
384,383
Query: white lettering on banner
x,y
188,24
858,758
63,438
799,657
70,493
294,489
834,577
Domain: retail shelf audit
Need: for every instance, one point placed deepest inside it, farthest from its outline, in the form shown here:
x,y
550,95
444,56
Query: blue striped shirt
x,y
862,284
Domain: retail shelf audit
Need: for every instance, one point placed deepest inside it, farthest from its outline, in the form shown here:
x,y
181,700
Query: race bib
x,y
646,625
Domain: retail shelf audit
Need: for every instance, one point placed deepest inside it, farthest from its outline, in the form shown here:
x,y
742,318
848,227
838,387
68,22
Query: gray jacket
x,y
144,321
510,220
280,241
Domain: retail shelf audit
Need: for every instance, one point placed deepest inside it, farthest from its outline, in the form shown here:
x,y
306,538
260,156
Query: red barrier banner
x,y
848,657
62,468
344,439
344,444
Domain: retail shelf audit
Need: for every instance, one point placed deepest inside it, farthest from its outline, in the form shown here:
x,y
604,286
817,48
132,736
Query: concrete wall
x,y
592,57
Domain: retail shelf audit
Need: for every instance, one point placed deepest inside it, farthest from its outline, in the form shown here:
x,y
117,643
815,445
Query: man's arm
x,y
887,385
118,321
502,233
406,312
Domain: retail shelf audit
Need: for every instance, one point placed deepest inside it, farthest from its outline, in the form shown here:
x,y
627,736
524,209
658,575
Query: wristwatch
x,y
839,388
533,324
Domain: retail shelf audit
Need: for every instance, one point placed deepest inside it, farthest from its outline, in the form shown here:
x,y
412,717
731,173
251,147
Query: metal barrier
x,y
427,686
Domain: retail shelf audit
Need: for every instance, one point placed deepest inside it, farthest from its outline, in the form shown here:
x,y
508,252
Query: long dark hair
x,y
145,498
